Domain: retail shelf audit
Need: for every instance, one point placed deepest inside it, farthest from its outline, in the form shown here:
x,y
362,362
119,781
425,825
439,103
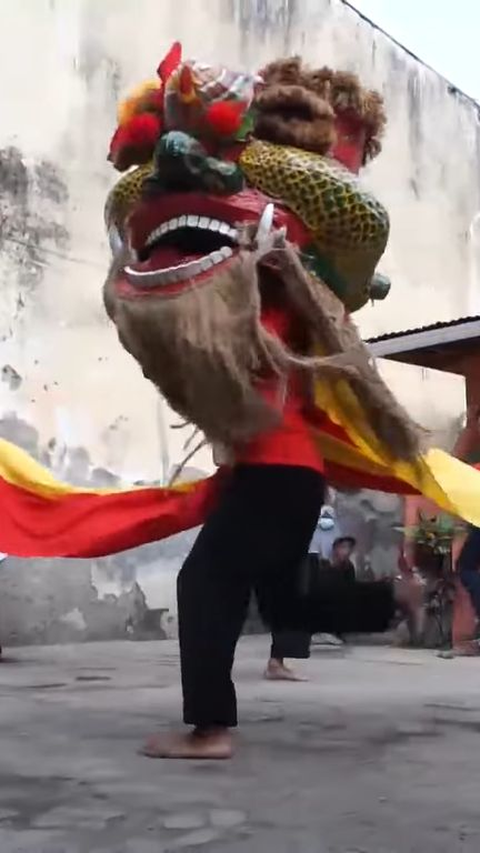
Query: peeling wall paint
x,y
68,393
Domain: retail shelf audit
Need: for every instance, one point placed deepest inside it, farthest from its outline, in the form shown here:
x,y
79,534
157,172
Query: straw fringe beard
x,y
205,348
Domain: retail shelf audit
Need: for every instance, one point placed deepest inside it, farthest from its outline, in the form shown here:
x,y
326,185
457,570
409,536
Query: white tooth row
x,y
182,272
199,222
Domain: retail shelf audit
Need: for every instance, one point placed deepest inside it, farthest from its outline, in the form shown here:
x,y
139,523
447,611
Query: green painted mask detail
x,y
247,126
182,162
379,287
321,267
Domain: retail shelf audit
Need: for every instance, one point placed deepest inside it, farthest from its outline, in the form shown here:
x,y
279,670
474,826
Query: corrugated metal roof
x,y
447,324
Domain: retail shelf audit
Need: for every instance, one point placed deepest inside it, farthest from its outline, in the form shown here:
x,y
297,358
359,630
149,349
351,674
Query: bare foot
x,y
214,744
277,671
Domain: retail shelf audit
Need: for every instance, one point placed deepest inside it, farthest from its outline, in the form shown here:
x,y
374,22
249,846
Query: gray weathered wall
x,y
68,393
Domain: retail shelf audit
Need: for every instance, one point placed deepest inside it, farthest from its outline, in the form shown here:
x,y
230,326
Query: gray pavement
x,y
378,753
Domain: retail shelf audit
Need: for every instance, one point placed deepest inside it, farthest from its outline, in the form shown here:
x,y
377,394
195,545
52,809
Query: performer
x,y
242,241
467,448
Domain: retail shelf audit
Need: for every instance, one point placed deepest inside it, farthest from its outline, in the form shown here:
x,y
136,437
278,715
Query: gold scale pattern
x,y
325,195
349,226
125,194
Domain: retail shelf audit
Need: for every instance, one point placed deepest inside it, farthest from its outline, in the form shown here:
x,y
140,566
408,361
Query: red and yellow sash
x,y
42,517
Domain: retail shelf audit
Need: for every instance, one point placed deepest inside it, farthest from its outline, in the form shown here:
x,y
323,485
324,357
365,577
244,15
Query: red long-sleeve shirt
x,y
291,441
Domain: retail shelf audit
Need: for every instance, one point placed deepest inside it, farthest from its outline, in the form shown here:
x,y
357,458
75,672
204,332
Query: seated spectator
x,y
342,550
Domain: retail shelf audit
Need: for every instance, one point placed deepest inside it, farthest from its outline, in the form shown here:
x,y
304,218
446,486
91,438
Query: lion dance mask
x,y
241,192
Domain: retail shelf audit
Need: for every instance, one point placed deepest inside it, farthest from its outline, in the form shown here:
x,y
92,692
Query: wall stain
x,y
32,201
49,183
61,585
18,431
11,377
101,72
259,19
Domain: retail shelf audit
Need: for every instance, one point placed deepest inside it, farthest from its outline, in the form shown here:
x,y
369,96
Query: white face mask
x,y
327,518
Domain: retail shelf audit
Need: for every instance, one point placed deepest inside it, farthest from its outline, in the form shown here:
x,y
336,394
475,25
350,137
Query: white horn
x,y
115,240
265,223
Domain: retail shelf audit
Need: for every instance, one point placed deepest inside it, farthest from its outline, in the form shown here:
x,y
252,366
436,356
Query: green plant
x,y
432,539
435,533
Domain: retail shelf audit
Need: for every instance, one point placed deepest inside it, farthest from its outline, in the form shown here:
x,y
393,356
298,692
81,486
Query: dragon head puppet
x,y
241,189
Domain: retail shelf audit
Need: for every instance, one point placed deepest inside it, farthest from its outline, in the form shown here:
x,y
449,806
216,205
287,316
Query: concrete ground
x,y
378,753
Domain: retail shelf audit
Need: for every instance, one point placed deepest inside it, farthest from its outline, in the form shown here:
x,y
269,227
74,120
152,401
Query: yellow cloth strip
x,y
19,469
335,450
451,484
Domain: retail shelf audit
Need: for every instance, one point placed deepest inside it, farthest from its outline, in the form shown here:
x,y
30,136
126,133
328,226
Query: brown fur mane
x,y
291,115
206,348
332,92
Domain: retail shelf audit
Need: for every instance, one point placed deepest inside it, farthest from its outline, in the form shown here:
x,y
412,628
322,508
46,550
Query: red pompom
x,y
143,130
117,142
133,143
224,118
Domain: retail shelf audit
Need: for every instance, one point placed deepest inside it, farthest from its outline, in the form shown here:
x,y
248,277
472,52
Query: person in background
x,y
342,551
340,560
325,532
467,448
411,621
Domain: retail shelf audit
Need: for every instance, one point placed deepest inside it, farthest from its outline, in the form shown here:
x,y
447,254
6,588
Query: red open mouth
x,y
181,237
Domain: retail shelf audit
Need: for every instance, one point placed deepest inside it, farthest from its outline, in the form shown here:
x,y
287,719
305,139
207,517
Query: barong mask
x,y
239,196
245,187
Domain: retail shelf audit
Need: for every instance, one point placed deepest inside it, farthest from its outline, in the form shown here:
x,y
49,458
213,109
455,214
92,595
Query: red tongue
x,y
163,257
